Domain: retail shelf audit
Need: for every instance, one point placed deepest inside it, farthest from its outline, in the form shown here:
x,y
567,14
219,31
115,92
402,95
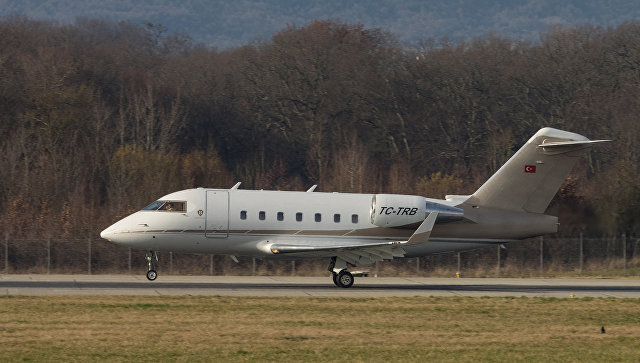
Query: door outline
x,y
217,216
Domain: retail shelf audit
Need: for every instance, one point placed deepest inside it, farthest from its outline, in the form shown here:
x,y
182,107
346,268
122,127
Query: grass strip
x,y
142,328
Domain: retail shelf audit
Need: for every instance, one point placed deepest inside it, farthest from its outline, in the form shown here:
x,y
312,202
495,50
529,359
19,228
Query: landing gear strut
x,y
341,277
152,265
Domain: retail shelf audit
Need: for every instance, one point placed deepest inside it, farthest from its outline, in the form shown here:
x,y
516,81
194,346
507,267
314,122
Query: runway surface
x,y
313,286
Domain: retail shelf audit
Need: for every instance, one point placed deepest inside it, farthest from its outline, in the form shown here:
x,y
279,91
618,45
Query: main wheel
x,y
345,279
335,279
152,275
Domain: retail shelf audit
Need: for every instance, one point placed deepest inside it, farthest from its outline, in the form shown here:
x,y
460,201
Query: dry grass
x,y
301,329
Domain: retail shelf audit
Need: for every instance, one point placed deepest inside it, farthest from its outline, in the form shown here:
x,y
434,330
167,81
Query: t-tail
x,y
529,180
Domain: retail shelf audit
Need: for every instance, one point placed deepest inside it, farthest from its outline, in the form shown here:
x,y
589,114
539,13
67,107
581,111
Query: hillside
x,y
226,24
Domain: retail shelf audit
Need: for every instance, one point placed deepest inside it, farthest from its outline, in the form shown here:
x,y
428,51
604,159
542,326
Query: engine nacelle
x,y
392,210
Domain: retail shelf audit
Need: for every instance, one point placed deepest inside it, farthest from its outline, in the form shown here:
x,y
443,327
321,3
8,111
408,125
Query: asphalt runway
x,y
313,286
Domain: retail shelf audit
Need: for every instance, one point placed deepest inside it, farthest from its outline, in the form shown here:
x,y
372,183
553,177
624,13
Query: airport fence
x,y
543,256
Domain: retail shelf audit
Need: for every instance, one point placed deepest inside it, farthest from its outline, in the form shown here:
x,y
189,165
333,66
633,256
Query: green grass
x,y
138,328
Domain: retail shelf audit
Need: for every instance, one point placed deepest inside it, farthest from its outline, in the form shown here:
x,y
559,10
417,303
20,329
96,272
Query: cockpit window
x,y
154,206
167,206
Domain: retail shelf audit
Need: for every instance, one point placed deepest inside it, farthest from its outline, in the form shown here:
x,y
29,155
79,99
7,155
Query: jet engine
x,y
389,210
392,210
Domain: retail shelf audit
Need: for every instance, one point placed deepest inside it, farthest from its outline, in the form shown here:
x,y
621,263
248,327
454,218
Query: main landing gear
x,y
341,277
152,265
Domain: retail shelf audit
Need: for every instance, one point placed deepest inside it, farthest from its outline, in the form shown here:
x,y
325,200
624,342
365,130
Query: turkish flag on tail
x,y
529,168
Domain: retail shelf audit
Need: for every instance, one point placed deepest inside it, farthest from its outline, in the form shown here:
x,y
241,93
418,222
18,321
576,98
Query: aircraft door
x,y
217,223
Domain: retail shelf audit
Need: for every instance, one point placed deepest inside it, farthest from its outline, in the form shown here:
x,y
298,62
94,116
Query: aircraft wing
x,y
358,253
280,248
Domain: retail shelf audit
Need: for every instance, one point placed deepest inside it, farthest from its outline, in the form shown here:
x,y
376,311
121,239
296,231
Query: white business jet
x,y
358,229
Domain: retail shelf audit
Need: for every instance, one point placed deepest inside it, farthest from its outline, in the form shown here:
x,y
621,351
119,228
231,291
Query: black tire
x,y
152,275
335,279
345,279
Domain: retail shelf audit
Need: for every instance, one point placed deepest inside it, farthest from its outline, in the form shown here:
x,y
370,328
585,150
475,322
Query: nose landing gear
x,y
152,265
152,275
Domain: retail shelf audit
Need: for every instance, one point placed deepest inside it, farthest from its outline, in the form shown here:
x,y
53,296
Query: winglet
x,y
421,235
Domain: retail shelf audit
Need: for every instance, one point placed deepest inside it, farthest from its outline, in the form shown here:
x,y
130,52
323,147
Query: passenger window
x,y
243,214
280,216
299,216
262,215
354,218
336,218
318,217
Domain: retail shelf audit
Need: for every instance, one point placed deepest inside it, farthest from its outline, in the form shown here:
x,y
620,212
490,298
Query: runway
x,y
313,286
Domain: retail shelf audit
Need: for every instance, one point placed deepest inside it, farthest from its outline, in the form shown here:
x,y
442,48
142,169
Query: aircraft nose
x,y
106,234
125,231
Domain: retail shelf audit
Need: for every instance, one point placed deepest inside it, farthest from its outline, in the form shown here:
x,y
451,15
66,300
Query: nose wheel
x,y
152,265
152,275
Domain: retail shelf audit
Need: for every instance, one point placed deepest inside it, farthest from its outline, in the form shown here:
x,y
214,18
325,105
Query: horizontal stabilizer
x,y
570,143
560,147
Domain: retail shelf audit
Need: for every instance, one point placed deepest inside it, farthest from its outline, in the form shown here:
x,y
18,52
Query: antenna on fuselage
x,y
312,188
236,186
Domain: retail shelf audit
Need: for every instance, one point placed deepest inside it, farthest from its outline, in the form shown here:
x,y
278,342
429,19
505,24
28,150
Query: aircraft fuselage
x,y
245,222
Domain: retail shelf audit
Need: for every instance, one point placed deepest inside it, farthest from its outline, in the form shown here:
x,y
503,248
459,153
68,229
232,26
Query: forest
x,y
99,118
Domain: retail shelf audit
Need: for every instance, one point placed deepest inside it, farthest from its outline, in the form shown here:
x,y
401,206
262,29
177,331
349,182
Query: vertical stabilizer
x,y
532,176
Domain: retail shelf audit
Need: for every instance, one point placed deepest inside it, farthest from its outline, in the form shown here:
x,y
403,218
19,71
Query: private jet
x,y
355,230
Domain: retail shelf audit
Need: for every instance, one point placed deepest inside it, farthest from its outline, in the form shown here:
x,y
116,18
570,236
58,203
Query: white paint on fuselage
x,y
185,231
291,203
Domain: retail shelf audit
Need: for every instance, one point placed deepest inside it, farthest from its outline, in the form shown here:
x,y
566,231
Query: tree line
x,y
99,118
